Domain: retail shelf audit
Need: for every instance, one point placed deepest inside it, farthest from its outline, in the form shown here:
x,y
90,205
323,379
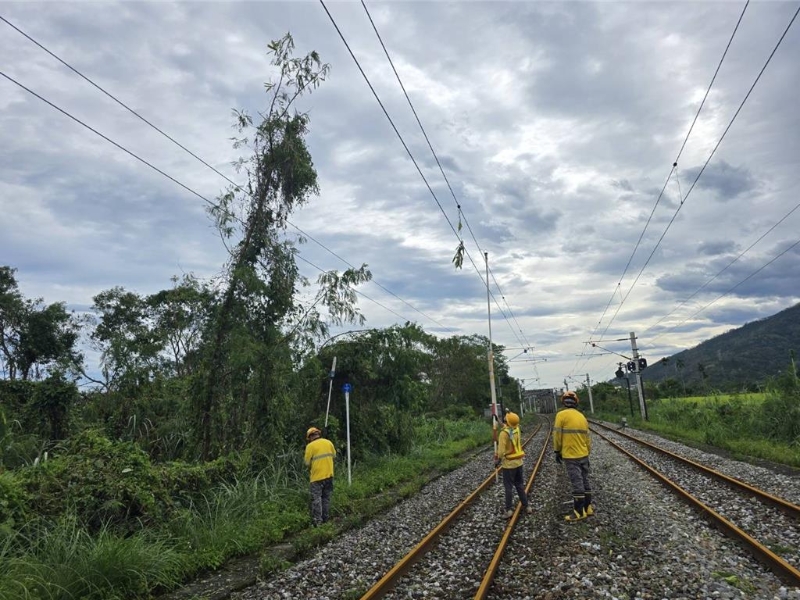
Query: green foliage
x,y
271,564
305,542
53,400
104,482
14,503
34,338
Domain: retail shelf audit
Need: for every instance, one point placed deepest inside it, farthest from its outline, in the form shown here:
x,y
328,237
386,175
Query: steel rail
x,y
774,562
388,581
788,507
488,577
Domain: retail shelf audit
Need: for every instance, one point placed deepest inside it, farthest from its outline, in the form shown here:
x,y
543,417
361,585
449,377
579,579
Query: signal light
x,y
642,364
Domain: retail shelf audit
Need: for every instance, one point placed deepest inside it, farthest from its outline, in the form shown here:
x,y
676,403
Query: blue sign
x,y
346,388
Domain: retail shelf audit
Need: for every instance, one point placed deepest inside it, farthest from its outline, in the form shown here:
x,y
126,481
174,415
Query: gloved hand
x,y
558,456
497,462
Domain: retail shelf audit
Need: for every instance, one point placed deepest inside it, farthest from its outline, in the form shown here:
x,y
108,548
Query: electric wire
x,y
664,187
160,171
410,155
705,164
321,270
441,169
237,187
710,156
729,290
720,272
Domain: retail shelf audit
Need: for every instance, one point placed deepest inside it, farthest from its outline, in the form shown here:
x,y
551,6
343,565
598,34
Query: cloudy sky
x,y
557,125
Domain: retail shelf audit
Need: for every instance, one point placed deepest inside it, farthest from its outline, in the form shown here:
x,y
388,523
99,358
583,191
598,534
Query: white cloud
x,y
557,124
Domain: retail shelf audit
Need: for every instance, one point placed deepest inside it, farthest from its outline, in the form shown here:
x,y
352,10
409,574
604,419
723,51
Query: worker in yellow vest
x,y
319,458
572,445
510,456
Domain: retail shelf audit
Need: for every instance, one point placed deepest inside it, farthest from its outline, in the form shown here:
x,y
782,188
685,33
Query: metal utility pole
x,y
521,405
589,387
639,384
491,359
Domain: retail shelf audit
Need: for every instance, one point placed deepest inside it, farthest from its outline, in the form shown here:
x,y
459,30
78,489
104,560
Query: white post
x,y
495,416
330,388
521,405
347,418
589,387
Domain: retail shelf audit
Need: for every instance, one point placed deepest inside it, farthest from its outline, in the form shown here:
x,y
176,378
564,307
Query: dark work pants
x,y
512,478
578,473
321,500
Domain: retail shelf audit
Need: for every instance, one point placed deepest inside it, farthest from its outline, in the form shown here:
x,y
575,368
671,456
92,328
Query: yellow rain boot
x,y
577,513
575,516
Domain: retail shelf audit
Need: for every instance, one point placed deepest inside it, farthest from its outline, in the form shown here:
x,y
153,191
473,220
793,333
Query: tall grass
x,y
61,561
765,426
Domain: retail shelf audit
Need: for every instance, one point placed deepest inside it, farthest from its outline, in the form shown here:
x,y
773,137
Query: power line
x,y
320,269
439,164
122,104
410,155
713,151
664,187
700,173
753,274
185,149
161,172
387,290
721,271
109,140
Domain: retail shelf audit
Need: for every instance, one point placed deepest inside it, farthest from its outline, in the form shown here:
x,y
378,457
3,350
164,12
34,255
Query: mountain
x,y
738,359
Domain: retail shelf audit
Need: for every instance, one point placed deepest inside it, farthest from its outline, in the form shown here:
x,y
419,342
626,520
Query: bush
x,y
104,482
13,502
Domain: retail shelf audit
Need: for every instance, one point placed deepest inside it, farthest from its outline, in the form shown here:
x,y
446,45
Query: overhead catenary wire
x,y
730,289
663,188
439,164
138,115
710,156
411,155
721,271
158,170
713,151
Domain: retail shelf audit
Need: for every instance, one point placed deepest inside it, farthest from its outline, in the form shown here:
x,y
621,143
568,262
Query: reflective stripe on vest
x,y
514,437
318,456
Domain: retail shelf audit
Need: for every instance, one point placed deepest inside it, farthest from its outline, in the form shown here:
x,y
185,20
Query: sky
x,y
556,123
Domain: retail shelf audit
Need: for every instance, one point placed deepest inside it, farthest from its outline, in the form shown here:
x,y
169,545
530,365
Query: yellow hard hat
x,y
312,431
512,419
570,399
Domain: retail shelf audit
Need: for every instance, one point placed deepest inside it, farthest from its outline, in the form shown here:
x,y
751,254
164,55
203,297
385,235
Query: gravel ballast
x,y
643,542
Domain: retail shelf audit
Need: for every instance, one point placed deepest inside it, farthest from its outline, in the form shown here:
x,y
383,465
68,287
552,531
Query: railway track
x,y
768,525
476,571
642,543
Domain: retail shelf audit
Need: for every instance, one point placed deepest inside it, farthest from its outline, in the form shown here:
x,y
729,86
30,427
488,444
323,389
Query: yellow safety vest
x,y
514,437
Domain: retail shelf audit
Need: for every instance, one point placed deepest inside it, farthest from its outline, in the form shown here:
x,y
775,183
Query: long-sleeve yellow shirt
x,y
571,434
319,456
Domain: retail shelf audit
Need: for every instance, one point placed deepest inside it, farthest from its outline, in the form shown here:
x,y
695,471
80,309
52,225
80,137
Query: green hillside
x,y
740,359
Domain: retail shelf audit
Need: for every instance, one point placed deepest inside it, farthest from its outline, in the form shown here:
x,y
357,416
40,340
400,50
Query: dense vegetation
x,y
184,448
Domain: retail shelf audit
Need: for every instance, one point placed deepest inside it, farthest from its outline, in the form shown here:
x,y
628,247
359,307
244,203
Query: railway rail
x,y
392,585
768,525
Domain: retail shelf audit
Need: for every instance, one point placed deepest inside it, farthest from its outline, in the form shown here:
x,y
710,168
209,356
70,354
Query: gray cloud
x,y
556,141
727,181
